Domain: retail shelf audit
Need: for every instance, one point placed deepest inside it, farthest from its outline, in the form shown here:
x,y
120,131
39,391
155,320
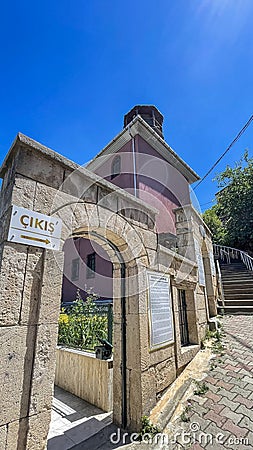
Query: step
x,y
232,295
236,310
235,287
240,289
237,275
97,440
234,271
239,295
237,282
239,303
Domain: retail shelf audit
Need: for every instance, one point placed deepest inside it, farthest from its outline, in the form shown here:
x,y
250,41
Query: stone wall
x,y
192,230
39,179
85,376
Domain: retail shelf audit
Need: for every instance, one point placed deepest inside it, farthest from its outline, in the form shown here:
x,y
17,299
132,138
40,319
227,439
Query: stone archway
x,y
129,257
30,288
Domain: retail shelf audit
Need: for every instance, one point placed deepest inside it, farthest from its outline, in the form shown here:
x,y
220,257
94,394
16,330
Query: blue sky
x,y
70,70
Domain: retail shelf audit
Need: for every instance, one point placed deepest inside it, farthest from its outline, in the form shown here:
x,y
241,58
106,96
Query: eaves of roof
x,y
139,127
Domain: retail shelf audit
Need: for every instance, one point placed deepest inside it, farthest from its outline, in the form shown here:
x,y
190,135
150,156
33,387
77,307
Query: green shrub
x,y
201,388
148,427
185,414
81,326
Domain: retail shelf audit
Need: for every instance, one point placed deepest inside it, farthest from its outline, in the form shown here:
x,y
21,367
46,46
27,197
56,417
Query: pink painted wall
x,y
101,283
158,182
125,179
160,185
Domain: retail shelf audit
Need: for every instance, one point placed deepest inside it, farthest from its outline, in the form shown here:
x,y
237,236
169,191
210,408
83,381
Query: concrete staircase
x,y
237,283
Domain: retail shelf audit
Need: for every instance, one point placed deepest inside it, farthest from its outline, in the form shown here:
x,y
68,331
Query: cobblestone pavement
x,y
222,418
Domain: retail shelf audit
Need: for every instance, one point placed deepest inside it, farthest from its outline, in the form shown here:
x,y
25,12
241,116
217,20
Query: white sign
x,y
32,228
200,263
160,310
212,263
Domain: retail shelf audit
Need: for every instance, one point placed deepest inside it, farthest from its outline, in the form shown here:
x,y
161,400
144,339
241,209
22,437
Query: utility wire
x,y
244,128
207,203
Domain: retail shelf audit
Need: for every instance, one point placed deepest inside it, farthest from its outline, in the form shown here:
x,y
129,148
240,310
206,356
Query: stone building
x,y
133,202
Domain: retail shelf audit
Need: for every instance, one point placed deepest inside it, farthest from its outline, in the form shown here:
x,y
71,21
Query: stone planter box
x,y
85,376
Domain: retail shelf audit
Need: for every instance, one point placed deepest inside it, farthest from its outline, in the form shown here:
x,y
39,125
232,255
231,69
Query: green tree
x,y
235,205
215,225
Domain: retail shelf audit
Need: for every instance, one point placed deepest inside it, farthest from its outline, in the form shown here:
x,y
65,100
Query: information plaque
x,y
160,310
200,263
212,263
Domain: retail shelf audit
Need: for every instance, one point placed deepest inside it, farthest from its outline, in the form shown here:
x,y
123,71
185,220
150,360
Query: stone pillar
x,y
30,289
30,292
133,354
184,230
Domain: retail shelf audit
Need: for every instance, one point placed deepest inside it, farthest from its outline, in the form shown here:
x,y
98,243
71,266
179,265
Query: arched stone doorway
x,y
129,258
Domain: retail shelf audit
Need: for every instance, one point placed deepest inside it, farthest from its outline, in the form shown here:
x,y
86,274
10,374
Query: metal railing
x,y
228,253
220,287
81,326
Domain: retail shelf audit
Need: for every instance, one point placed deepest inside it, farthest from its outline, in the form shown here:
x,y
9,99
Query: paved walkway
x,y
222,418
73,421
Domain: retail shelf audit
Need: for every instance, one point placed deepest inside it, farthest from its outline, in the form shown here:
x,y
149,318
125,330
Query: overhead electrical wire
x,y
227,149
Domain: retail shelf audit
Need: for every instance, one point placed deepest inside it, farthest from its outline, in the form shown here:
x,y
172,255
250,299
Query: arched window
x,y
116,167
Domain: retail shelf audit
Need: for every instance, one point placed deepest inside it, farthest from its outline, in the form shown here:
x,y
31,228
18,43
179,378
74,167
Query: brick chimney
x,y
150,114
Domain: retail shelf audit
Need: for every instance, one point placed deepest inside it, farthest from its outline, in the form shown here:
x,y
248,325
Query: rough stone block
x,y
24,192
51,287
56,203
15,372
78,185
38,431
93,217
5,224
165,374
3,437
133,342
200,301
202,316
15,436
33,165
148,390
6,199
44,369
134,399
28,433
107,199
106,218
161,355
12,276
149,238
153,258
32,286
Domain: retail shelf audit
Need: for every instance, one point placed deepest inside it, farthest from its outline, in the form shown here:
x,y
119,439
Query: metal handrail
x,y
226,253
220,284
